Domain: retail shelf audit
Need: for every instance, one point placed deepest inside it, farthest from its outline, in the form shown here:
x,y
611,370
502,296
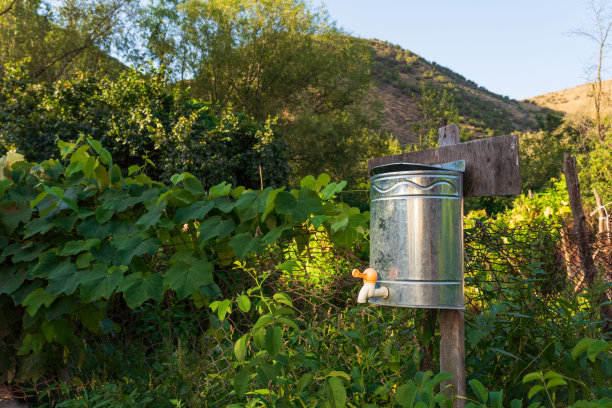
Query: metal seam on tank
x,y
422,196
413,184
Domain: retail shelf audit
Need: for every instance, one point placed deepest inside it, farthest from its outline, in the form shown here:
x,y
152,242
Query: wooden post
x,y
452,326
601,212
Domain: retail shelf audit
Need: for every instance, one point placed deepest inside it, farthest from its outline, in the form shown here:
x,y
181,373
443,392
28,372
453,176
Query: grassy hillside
x,y
576,101
398,75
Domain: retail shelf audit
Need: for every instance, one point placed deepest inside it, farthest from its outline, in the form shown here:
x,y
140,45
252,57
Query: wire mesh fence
x,y
529,267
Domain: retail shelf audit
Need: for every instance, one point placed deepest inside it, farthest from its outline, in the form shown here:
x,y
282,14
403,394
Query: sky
x,y
516,48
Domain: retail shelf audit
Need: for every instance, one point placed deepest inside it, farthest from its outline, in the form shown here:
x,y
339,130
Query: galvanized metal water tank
x,y
416,234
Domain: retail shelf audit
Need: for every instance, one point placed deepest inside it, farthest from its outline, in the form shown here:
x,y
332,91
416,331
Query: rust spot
x,y
488,160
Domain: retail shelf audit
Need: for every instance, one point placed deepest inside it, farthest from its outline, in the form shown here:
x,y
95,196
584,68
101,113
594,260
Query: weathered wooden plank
x,y
448,135
491,165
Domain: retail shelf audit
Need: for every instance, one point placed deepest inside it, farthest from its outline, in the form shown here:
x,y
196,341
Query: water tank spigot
x,y
369,289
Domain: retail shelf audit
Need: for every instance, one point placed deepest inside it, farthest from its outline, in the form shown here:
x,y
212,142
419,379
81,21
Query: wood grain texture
x,y
452,352
491,165
448,135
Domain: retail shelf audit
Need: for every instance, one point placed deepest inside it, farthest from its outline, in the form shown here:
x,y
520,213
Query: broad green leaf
x,y
244,303
245,243
38,226
129,247
270,202
274,340
273,235
534,390
303,383
195,211
516,403
220,190
63,279
322,181
405,395
138,288
215,227
225,307
115,174
240,347
193,185
336,395
241,383
595,348
552,374
331,189
581,347
262,322
11,279
307,203
149,219
57,330
308,182
33,342
187,279
496,398
30,253
555,382
46,262
533,376
479,390
12,213
101,281
66,221
440,377
289,322
75,247
36,299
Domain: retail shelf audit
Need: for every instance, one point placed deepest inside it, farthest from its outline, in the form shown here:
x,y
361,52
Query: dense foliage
x,y
141,120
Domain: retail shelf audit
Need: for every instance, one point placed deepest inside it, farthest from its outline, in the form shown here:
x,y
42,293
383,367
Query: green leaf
x,y
289,322
195,211
479,390
11,279
241,383
552,374
220,190
440,377
149,219
595,348
581,347
333,188
496,398
31,342
187,279
262,322
534,390
193,185
101,281
240,347
303,383
516,403
115,174
270,202
214,227
138,288
224,308
129,247
336,394
341,374
28,254
38,226
244,303
59,331
322,181
63,279
36,299
405,395
75,247
533,376
245,243
273,235
12,213
307,203
273,340
555,382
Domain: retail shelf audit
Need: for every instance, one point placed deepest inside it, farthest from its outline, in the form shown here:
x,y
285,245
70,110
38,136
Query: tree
x,y
602,19
274,58
434,106
62,37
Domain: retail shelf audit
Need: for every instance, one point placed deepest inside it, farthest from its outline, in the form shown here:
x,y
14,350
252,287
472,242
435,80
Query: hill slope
x,y
576,101
398,75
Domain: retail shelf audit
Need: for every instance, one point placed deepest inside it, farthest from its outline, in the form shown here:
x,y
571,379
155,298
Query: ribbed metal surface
x,y
416,237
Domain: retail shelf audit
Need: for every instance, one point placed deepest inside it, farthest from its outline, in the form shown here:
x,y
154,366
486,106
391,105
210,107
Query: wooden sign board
x,y
491,165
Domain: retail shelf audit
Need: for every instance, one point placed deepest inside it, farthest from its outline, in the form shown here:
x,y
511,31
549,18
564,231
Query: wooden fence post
x,y
452,326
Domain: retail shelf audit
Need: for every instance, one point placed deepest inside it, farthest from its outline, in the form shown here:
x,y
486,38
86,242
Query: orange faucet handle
x,y
369,275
